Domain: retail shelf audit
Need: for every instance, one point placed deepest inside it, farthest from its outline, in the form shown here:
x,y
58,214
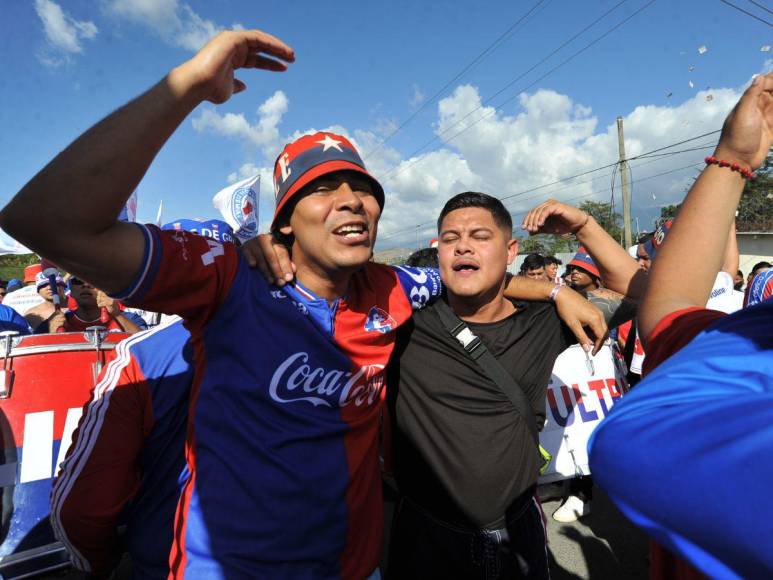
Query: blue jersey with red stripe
x,y
127,457
687,452
285,405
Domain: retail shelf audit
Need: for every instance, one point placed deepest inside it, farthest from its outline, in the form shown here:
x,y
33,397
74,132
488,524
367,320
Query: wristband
x,y
554,292
747,174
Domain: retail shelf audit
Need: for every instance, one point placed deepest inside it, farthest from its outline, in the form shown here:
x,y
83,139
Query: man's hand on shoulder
x,y
270,257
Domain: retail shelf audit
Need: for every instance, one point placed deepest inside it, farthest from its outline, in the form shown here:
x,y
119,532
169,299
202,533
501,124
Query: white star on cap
x,y
329,142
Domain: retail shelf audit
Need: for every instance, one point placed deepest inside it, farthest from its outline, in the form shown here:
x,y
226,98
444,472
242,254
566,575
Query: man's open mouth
x,y
352,231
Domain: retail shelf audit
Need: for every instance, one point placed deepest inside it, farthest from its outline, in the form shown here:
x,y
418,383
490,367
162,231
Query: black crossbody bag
x,y
488,363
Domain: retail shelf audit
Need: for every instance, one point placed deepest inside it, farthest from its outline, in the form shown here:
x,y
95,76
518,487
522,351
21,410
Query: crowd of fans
x,y
241,439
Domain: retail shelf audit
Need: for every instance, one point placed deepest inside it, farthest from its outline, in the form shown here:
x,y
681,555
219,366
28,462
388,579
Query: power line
x,y
758,5
472,64
509,99
523,74
746,12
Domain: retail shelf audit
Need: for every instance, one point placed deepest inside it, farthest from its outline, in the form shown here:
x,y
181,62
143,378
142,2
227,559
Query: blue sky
x,y
365,67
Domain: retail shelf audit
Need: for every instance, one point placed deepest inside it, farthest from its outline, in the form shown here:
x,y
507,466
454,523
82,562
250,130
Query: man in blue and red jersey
x,y
282,474
681,453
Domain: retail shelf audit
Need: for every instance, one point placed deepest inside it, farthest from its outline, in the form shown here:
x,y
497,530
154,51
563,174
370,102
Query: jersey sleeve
x,y
675,331
422,286
682,453
182,273
100,474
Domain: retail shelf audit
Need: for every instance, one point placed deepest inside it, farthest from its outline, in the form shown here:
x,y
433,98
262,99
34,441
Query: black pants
x,y
422,546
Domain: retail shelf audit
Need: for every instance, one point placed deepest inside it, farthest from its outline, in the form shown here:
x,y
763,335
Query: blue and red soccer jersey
x,y
686,454
281,446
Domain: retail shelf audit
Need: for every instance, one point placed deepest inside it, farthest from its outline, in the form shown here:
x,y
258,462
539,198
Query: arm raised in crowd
x,y
618,270
68,211
693,250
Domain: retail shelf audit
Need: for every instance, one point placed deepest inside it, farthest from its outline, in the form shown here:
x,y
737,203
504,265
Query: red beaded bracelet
x,y
745,173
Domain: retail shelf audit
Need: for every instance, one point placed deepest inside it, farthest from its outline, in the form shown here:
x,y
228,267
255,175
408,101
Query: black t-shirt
x,y
460,448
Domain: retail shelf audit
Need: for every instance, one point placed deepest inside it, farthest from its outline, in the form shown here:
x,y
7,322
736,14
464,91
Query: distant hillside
x,y
393,256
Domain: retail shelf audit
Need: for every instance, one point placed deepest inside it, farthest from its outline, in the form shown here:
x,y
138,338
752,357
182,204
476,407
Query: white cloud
x,y
174,22
549,138
245,171
263,133
63,33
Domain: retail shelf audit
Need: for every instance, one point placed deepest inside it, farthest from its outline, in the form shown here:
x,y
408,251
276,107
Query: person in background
x,y
94,308
424,258
738,281
641,251
682,453
757,269
551,269
583,274
13,285
533,267
39,316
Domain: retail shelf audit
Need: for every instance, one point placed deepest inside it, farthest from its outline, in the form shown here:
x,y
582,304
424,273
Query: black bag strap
x,y
473,346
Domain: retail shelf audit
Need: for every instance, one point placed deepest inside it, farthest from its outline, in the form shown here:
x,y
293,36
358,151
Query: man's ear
x,y
512,251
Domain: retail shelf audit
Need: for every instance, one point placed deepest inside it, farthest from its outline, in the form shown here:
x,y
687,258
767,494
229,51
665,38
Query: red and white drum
x,y
44,382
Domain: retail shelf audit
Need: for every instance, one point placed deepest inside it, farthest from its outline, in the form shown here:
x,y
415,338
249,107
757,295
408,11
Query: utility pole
x,y
624,182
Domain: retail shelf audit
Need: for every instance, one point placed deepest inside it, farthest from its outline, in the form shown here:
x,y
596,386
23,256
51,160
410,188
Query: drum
x,y
579,395
44,382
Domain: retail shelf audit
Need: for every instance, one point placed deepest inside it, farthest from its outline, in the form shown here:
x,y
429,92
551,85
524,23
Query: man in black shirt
x,y
464,459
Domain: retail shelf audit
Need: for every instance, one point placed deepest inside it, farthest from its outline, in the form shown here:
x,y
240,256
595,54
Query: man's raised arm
x,y
694,249
69,211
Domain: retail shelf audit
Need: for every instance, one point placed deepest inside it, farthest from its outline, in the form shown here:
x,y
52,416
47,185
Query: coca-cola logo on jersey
x,y
297,380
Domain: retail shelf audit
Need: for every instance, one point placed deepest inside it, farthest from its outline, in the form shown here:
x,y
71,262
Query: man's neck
x,y
87,314
481,308
323,284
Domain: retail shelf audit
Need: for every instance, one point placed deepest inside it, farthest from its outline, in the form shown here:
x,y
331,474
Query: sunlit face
x,y
551,271
474,252
536,274
643,257
334,223
45,293
580,280
83,293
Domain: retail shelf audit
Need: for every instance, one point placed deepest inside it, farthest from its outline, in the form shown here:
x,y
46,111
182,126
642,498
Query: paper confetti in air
x,y
690,83
765,48
709,97
702,49
668,96
692,68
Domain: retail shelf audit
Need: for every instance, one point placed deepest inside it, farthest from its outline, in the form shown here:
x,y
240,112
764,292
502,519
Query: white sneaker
x,y
572,508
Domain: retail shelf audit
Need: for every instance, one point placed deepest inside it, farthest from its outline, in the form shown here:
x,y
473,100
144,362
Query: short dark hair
x,y
532,262
645,237
424,258
760,265
476,199
552,260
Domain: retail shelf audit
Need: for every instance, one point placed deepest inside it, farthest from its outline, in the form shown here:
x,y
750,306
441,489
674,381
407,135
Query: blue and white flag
x,y
129,211
238,204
